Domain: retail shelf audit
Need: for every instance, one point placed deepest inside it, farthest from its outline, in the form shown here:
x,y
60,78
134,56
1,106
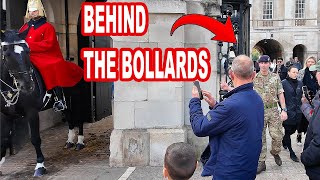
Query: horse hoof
x,y
69,145
79,146
39,172
12,151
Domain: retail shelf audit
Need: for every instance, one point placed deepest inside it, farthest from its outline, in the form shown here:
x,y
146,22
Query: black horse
x,y
23,96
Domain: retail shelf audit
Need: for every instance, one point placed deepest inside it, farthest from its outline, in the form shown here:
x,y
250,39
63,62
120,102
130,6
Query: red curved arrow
x,y
223,32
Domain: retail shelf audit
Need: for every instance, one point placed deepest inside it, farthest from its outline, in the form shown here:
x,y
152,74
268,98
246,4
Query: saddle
x,y
45,95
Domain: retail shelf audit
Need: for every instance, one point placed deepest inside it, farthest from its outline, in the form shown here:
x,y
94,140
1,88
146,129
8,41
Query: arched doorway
x,y
269,47
299,51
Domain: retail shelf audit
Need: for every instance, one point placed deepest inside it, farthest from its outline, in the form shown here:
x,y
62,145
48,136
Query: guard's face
x,y
34,14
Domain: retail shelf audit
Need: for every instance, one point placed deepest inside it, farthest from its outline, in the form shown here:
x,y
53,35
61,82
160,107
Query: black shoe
x,y
277,159
299,139
285,147
294,157
261,167
59,106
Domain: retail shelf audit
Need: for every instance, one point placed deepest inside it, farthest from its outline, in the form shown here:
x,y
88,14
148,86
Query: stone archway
x,y
299,51
269,47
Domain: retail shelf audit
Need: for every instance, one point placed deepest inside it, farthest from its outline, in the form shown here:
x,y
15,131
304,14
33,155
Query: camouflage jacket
x,y
268,87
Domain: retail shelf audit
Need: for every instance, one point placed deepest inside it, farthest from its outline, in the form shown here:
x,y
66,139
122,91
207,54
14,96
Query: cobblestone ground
x,y
97,135
289,170
92,162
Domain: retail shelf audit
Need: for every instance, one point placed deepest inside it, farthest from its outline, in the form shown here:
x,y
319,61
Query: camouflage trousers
x,y
274,123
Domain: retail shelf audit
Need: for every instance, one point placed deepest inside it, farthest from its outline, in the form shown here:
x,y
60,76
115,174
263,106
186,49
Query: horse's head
x,y
15,53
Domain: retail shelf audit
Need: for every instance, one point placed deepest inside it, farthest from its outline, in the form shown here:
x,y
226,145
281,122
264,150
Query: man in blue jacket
x,y
310,156
234,126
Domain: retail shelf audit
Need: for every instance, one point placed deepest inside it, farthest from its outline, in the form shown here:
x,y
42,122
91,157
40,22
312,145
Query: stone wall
x,y
284,27
149,116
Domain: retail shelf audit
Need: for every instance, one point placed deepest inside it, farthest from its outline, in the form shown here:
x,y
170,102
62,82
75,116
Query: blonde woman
x,y
308,79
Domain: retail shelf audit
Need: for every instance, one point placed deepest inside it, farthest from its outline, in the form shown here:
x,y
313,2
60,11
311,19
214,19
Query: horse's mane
x,y
10,36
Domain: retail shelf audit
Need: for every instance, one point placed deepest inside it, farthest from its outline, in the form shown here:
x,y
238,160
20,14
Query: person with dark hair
x,y
310,157
293,93
269,87
234,125
180,161
281,69
297,63
308,79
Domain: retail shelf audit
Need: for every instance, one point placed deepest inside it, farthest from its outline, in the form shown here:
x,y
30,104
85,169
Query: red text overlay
x,y
114,19
146,64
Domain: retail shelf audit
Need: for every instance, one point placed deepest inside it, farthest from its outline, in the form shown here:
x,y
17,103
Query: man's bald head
x,y
242,67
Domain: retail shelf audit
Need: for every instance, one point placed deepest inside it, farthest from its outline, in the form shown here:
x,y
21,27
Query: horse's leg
x,y
12,149
33,118
3,155
71,134
3,159
80,144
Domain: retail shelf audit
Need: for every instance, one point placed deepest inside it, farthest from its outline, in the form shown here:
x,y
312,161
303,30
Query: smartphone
x,y
305,91
197,84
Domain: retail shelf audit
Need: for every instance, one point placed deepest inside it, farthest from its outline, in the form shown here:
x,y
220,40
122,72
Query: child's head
x,y
179,162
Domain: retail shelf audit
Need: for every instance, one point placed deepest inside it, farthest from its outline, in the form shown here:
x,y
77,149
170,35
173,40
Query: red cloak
x,y
46,56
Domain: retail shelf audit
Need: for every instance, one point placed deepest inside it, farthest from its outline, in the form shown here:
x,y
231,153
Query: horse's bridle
x,y
11,97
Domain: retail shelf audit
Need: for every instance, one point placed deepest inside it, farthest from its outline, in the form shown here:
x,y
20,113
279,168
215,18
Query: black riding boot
x,y
59,104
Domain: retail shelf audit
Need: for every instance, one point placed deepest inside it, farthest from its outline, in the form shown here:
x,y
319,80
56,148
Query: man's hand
x,y
224,86
304,99
209,98
283,115
195,93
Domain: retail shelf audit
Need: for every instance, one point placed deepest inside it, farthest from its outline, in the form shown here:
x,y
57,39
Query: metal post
x,y
1,59
67,29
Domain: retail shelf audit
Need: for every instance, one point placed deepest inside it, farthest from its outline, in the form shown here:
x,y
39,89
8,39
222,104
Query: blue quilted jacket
x,y
234,127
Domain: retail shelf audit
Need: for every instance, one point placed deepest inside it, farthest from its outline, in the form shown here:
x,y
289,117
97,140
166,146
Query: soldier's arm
x,y
282,100
280,93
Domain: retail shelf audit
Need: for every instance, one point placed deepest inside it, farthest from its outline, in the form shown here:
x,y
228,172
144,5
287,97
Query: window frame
x,y
267,9
300,6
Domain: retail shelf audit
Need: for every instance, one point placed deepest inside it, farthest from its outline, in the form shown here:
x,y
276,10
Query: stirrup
x,y
59,106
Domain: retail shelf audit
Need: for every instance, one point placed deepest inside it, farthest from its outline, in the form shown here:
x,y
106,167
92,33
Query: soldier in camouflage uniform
x,y
269,87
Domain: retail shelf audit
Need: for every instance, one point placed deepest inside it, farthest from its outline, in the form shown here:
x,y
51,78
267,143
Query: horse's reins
x,y
12,98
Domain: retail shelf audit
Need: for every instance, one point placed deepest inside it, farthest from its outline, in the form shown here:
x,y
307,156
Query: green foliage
x,y
255,54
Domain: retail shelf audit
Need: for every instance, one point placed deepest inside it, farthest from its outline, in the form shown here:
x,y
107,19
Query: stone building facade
x,y
286,28
149,116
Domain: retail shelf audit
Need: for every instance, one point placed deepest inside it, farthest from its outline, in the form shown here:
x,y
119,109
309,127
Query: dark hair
x,y
292,66
280,58
289,64
180,161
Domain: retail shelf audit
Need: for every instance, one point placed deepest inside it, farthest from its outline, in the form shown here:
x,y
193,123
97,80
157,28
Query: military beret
x,y
264,58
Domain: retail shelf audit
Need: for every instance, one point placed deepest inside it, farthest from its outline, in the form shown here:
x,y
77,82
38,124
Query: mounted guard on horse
x,y
45,54
27,55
